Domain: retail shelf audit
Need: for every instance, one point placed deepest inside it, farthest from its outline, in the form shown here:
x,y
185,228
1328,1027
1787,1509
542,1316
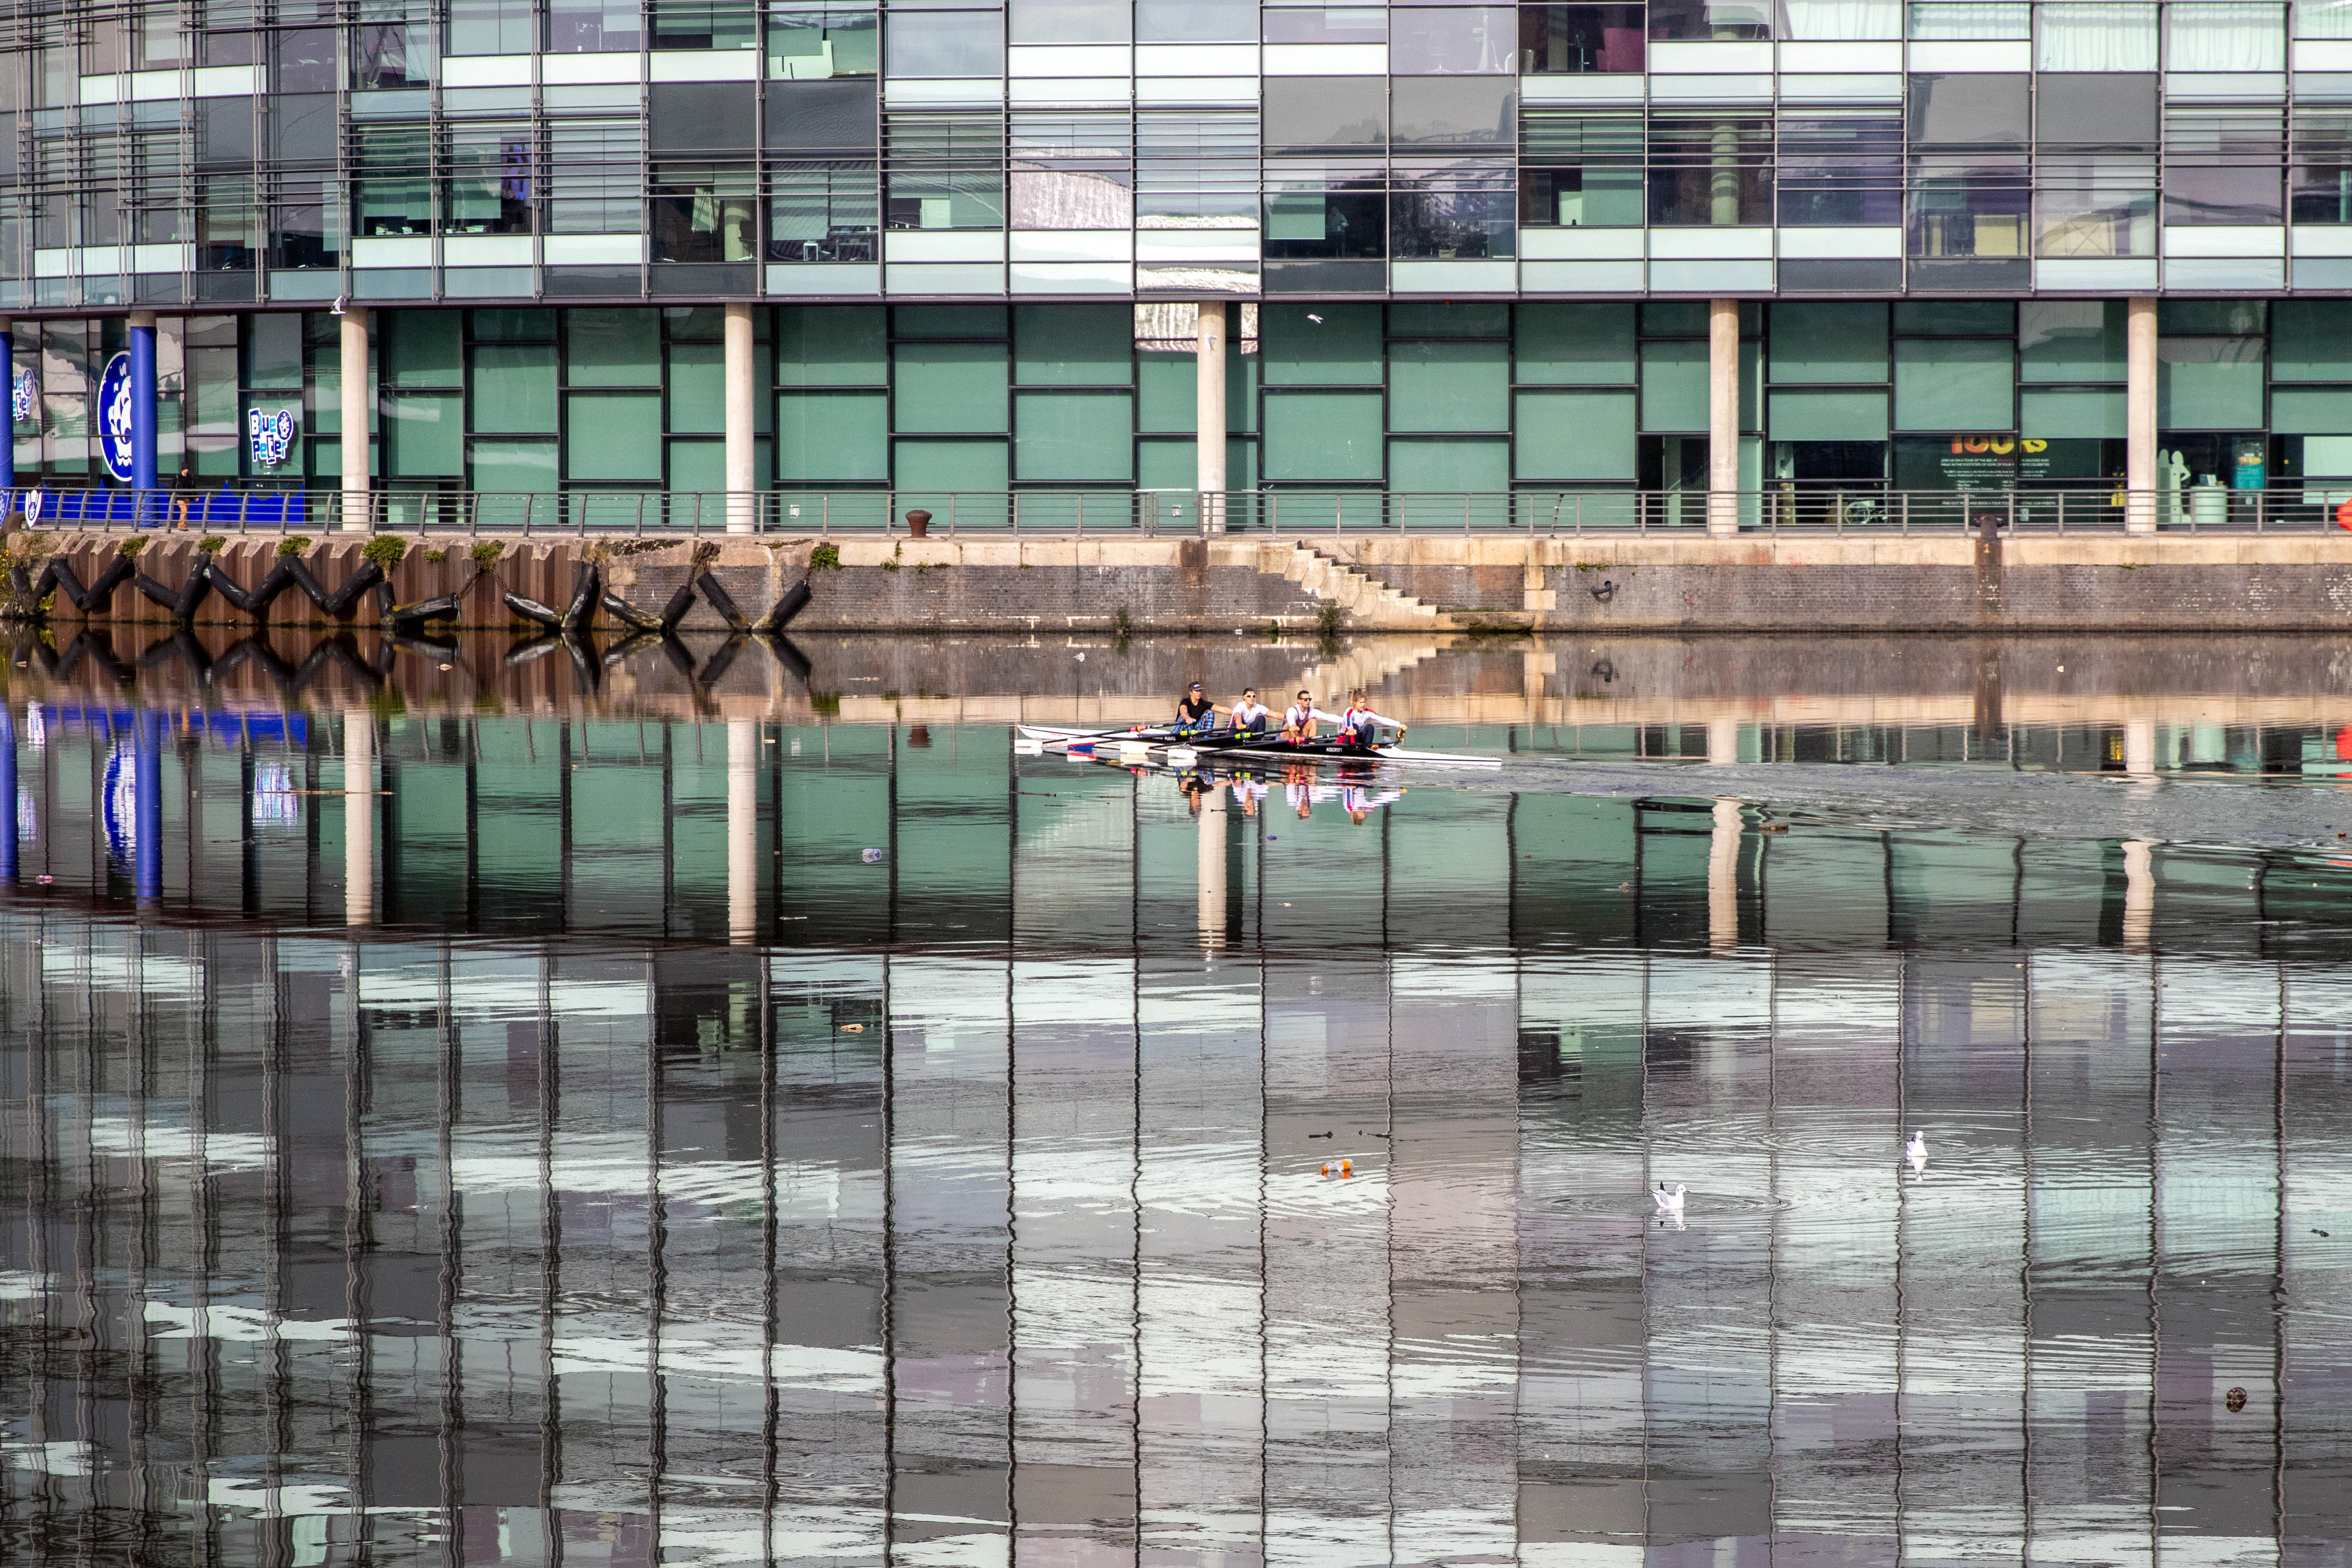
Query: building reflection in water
x,y
451,1142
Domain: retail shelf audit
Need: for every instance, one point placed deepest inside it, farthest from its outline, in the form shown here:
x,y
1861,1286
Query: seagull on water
x,y
1670,1203
1915,1154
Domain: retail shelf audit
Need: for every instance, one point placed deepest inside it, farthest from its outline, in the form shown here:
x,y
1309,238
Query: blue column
x,y
8,445
142,413
9,826
147,874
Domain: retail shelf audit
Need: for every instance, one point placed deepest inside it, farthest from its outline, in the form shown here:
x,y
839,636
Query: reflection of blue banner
x,y
115,419
121,810
256,509
10,828
290,729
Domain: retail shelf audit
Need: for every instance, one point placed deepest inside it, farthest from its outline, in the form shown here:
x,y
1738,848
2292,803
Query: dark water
x,y
463,1117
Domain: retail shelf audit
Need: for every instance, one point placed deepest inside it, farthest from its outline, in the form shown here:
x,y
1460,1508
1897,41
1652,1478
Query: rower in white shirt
x,y
1248,716
1298,720
1360,725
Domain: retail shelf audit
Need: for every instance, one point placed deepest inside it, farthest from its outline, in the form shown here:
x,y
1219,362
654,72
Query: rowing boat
x,y
1222,743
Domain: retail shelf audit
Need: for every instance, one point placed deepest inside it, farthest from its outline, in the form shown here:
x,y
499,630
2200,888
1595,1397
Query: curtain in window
x,y
2206,35
1842,20
2322,18
2098,36
1973,21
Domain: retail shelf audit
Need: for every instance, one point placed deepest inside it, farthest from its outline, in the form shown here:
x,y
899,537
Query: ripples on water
x,y
554,1142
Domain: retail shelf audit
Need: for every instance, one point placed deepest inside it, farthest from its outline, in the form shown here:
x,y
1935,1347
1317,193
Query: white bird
x,y
1670,1203
1317,320
1915,1154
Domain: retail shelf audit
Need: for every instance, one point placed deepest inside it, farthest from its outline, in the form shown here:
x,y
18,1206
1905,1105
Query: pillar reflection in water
x,y
10,828
1259,1189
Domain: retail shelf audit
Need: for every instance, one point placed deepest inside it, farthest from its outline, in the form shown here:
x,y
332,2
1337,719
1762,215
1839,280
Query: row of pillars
x,y
1723,417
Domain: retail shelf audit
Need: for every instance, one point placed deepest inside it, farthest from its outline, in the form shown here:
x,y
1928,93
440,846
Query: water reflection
x,y
553,1138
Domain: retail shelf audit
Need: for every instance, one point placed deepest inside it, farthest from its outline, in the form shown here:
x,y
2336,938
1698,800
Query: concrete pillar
x,y
359,402
742,830
743,481
1213,868
2139,748
142,413
1208,416
9,826
1722,416
1722,743
2139,893
2139,416
359,811
1723,877
9,446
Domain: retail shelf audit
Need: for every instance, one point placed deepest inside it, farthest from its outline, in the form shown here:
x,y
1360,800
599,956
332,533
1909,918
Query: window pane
x,y
2323,165
1074,435
1448,386
2323,19
1456,224
2070,340
1707,20
829,436
951,387
618,347
1195,21
490,189
2096,109
1452,41
1307,112
1576,435
1828,341
1710,169
1436,111
1338,24
514,388
1305,225
1844,20
1069,21
614,436
2216,36
947,44
592,27
2096,35
823,212
510,467
1955,384
1960,210
423,435
490,26
1322,435
1575,39
1839,169
810,42
2093,220
1970,21
703,24
1969,110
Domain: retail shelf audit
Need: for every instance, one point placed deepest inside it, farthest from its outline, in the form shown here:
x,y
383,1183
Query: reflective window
x,y
490,188
807,41
1841,168
944,170
1455,214
2095,36
1195,21
2322,175
1197,164
704,23
2224,36
2095,209
1969,109
391,193
393,48
701,213
1969,21
823,212
1693,20
1307,111
1842,20
306,230
1557,40
947,44
229,228
1453,40
1581,169
592,27
1072,169
1071,21
2222,165
1964,206
1318,24
2113,110
1315,221
490,26
1710,169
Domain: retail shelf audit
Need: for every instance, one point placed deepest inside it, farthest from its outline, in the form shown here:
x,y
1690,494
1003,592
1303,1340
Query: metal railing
x,y
1811,510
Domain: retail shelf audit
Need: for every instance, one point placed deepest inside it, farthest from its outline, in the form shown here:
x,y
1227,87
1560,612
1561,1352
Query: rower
x,y
1359,726
1249,715
1299,719
1194,710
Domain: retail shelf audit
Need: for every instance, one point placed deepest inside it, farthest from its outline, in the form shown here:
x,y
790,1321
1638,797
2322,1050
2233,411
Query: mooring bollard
x,y
918,523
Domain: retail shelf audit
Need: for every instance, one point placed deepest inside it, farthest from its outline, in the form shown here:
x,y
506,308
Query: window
x,y
1453,41
489,187
1710,169
1691,20
2323,19
490,26
807,41
1196,163
2222,167
704,23
592,27
823,212
2091,207
1304,24
157,43
1307,111
1579,169
390,190
2096,35
1457,113
1572,40
594,179
306,230
391,51
2322,175
1455,213
1967,208
2206,35
1839,169
2106,111
1072,169
1967,110
1970,21
944,170
1195,21
701,215
1070,21
1330,212
306,61
1842,20
947,43
228,227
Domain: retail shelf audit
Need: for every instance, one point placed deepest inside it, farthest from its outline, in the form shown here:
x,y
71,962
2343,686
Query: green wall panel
x,y
2051,415
1955,384
698,389
1440,385
1576,435
612,435
1170,465
2208,383
1434,319
514,324
420,348
1955,318
1322,435
952,321
2312,411
514,388
1673,386
616,347
1480,466
1074,435
698,468
1828,341
1829,416
951,387
2070,340
941,466
514,466
1074,345
2311,340
1576,344
1320,345
1167,384
832,437
831,345
423,435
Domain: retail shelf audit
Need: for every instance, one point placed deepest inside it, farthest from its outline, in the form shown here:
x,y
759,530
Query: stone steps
x,y
1369,604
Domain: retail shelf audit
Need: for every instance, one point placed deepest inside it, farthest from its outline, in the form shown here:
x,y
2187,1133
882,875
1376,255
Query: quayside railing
x,y
1811,511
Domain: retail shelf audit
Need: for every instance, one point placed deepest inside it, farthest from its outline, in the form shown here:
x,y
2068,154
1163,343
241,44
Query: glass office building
x,y
1473,246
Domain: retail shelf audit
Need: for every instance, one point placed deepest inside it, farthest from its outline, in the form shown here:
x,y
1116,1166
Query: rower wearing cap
x,y
1194,710
1249,715
1360,726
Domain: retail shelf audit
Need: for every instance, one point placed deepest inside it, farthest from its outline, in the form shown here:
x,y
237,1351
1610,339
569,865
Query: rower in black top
x,y
1194,710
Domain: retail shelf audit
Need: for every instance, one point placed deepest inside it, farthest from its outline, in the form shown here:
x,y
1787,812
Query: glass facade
x,y
1862,161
